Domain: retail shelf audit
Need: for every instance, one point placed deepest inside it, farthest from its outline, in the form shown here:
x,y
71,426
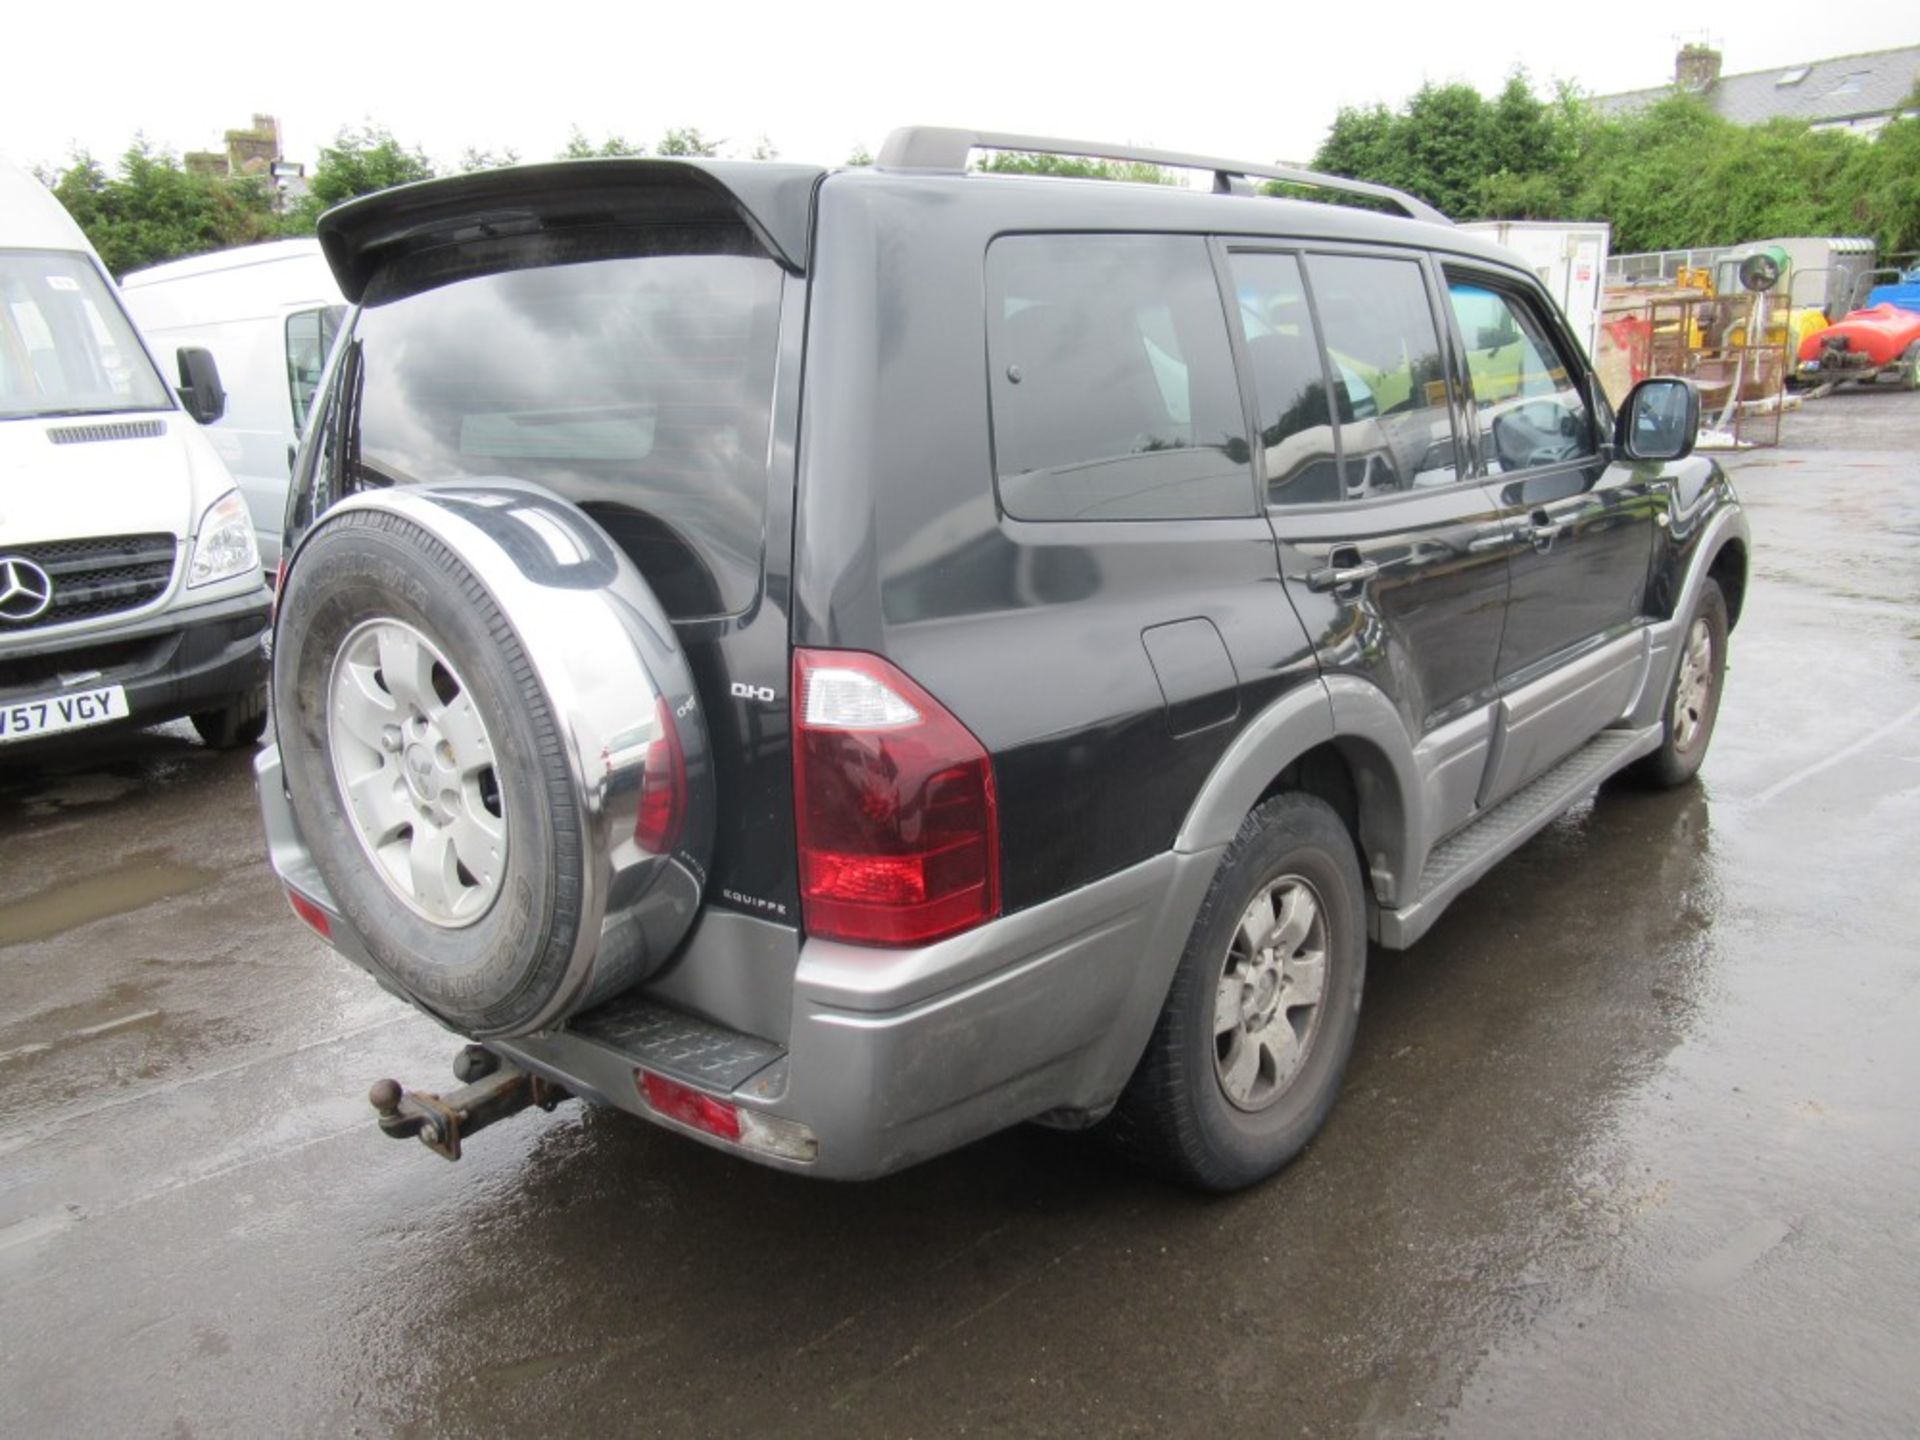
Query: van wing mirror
x,y
200,388
1660,421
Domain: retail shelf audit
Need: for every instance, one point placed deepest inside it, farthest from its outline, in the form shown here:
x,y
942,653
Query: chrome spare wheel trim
x,y
580,611
415,766
1267,1004
1693,689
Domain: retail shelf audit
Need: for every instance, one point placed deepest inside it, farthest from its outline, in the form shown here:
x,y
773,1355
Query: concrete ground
x,y
1630,1144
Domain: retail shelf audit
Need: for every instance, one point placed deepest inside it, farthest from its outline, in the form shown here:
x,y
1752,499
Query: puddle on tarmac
x,y
137,882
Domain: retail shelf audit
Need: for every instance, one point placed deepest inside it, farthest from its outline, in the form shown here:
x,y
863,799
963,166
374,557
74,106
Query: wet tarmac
x,y
1630,1144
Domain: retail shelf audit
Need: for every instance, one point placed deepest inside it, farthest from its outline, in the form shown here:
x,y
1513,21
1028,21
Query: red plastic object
x,y
895,809
311,913
1882,334
688,1105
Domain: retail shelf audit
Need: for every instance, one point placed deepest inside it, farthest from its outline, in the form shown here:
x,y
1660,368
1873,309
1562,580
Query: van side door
x,y
1579,528
1390,554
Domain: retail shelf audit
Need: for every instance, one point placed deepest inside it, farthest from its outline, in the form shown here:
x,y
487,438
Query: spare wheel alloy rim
x,y
416,771
1266,1011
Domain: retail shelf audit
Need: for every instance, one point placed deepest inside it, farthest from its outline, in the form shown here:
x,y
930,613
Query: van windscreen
x,y
65,347
629,370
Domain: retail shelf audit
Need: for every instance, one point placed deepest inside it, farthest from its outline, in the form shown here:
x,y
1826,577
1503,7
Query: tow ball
x,y
494,1090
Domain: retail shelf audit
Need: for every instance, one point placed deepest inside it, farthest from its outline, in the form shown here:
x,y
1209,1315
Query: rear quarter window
x,y
1111,380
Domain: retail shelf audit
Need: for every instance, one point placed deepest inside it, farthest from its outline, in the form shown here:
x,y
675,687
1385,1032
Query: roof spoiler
x,y
934,148
775,201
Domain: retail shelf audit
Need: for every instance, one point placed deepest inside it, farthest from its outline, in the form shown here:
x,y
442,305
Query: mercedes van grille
x,y
97,576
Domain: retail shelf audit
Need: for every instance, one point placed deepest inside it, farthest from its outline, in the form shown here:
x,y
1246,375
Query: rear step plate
x,y
696,1052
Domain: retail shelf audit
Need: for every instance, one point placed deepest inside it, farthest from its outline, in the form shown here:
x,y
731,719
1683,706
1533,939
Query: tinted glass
x,y
309,337
638,385
1664,419
1296,425
1112,380
1527,405
65,348
1390,388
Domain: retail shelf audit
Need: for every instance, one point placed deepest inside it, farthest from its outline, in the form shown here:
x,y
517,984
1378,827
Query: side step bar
x,y
1466,855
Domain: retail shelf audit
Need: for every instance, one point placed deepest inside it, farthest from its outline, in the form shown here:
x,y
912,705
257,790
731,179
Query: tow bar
x,y
494,1090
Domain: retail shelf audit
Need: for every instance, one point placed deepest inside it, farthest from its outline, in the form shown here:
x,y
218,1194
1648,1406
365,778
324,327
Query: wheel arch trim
x,y
1363,724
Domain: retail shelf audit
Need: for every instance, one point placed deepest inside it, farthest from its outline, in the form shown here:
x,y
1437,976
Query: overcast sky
x,y
1250,81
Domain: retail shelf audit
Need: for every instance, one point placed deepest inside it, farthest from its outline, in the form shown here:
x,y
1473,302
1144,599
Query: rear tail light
x,y
894,805
663,789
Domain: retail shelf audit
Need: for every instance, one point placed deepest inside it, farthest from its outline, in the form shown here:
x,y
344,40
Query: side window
x,y
1296,423
309,337
1527,403
1389,374
1111,380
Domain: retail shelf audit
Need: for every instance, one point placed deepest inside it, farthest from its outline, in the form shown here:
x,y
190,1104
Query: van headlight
x,y
226,547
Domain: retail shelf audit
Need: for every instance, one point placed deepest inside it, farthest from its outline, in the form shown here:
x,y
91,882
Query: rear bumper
x,y
895,1056
890,1056
172,664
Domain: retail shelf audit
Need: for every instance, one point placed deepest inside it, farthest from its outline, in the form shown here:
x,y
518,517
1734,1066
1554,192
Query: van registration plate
x,y
28,719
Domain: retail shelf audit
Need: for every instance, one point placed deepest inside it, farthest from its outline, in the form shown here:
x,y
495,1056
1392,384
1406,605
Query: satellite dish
x,y
1762,269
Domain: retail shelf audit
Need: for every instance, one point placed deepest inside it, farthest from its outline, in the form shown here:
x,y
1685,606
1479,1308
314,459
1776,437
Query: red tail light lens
x,y
893,799
663,789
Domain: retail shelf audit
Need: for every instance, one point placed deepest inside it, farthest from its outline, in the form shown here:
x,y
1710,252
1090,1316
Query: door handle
x,y
1544,529
1343,577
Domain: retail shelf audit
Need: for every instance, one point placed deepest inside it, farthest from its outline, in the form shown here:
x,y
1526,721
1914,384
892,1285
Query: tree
x,y
763,150
473,158
687,142
578,147
1670,176
1878,191
1013,162
151,210
359,162
859,155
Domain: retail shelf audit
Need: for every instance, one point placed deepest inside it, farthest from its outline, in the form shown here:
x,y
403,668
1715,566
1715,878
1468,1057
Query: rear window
x,y
1112,380
631,371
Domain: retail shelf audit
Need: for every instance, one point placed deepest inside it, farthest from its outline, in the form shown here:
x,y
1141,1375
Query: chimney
x,y
1696,69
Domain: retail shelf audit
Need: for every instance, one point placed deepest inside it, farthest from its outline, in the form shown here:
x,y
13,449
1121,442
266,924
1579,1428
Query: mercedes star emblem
x,y
25,590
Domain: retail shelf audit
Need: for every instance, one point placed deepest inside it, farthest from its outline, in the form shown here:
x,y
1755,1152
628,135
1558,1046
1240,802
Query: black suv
x,y
841,662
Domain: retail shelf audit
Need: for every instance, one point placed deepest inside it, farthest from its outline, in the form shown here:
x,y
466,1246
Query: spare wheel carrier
x,y
536,679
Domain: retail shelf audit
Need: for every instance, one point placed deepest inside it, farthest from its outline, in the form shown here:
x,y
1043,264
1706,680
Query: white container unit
x,y
1569,256
269,314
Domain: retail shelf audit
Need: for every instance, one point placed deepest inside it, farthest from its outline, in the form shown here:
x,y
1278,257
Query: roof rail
x,y
938,148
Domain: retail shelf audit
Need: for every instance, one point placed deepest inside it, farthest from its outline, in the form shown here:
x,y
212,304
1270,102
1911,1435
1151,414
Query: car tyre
x,y
1693,699
1197,1109
234,726
490,968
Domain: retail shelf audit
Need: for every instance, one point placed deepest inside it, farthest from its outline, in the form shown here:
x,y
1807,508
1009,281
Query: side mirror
x,y
200,388
1660,421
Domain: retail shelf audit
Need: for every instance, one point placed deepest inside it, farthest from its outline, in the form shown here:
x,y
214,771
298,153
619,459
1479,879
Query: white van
x,y
267,314
130,586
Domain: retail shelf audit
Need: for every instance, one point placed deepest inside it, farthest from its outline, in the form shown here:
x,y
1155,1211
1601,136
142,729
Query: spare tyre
x,y
494,749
